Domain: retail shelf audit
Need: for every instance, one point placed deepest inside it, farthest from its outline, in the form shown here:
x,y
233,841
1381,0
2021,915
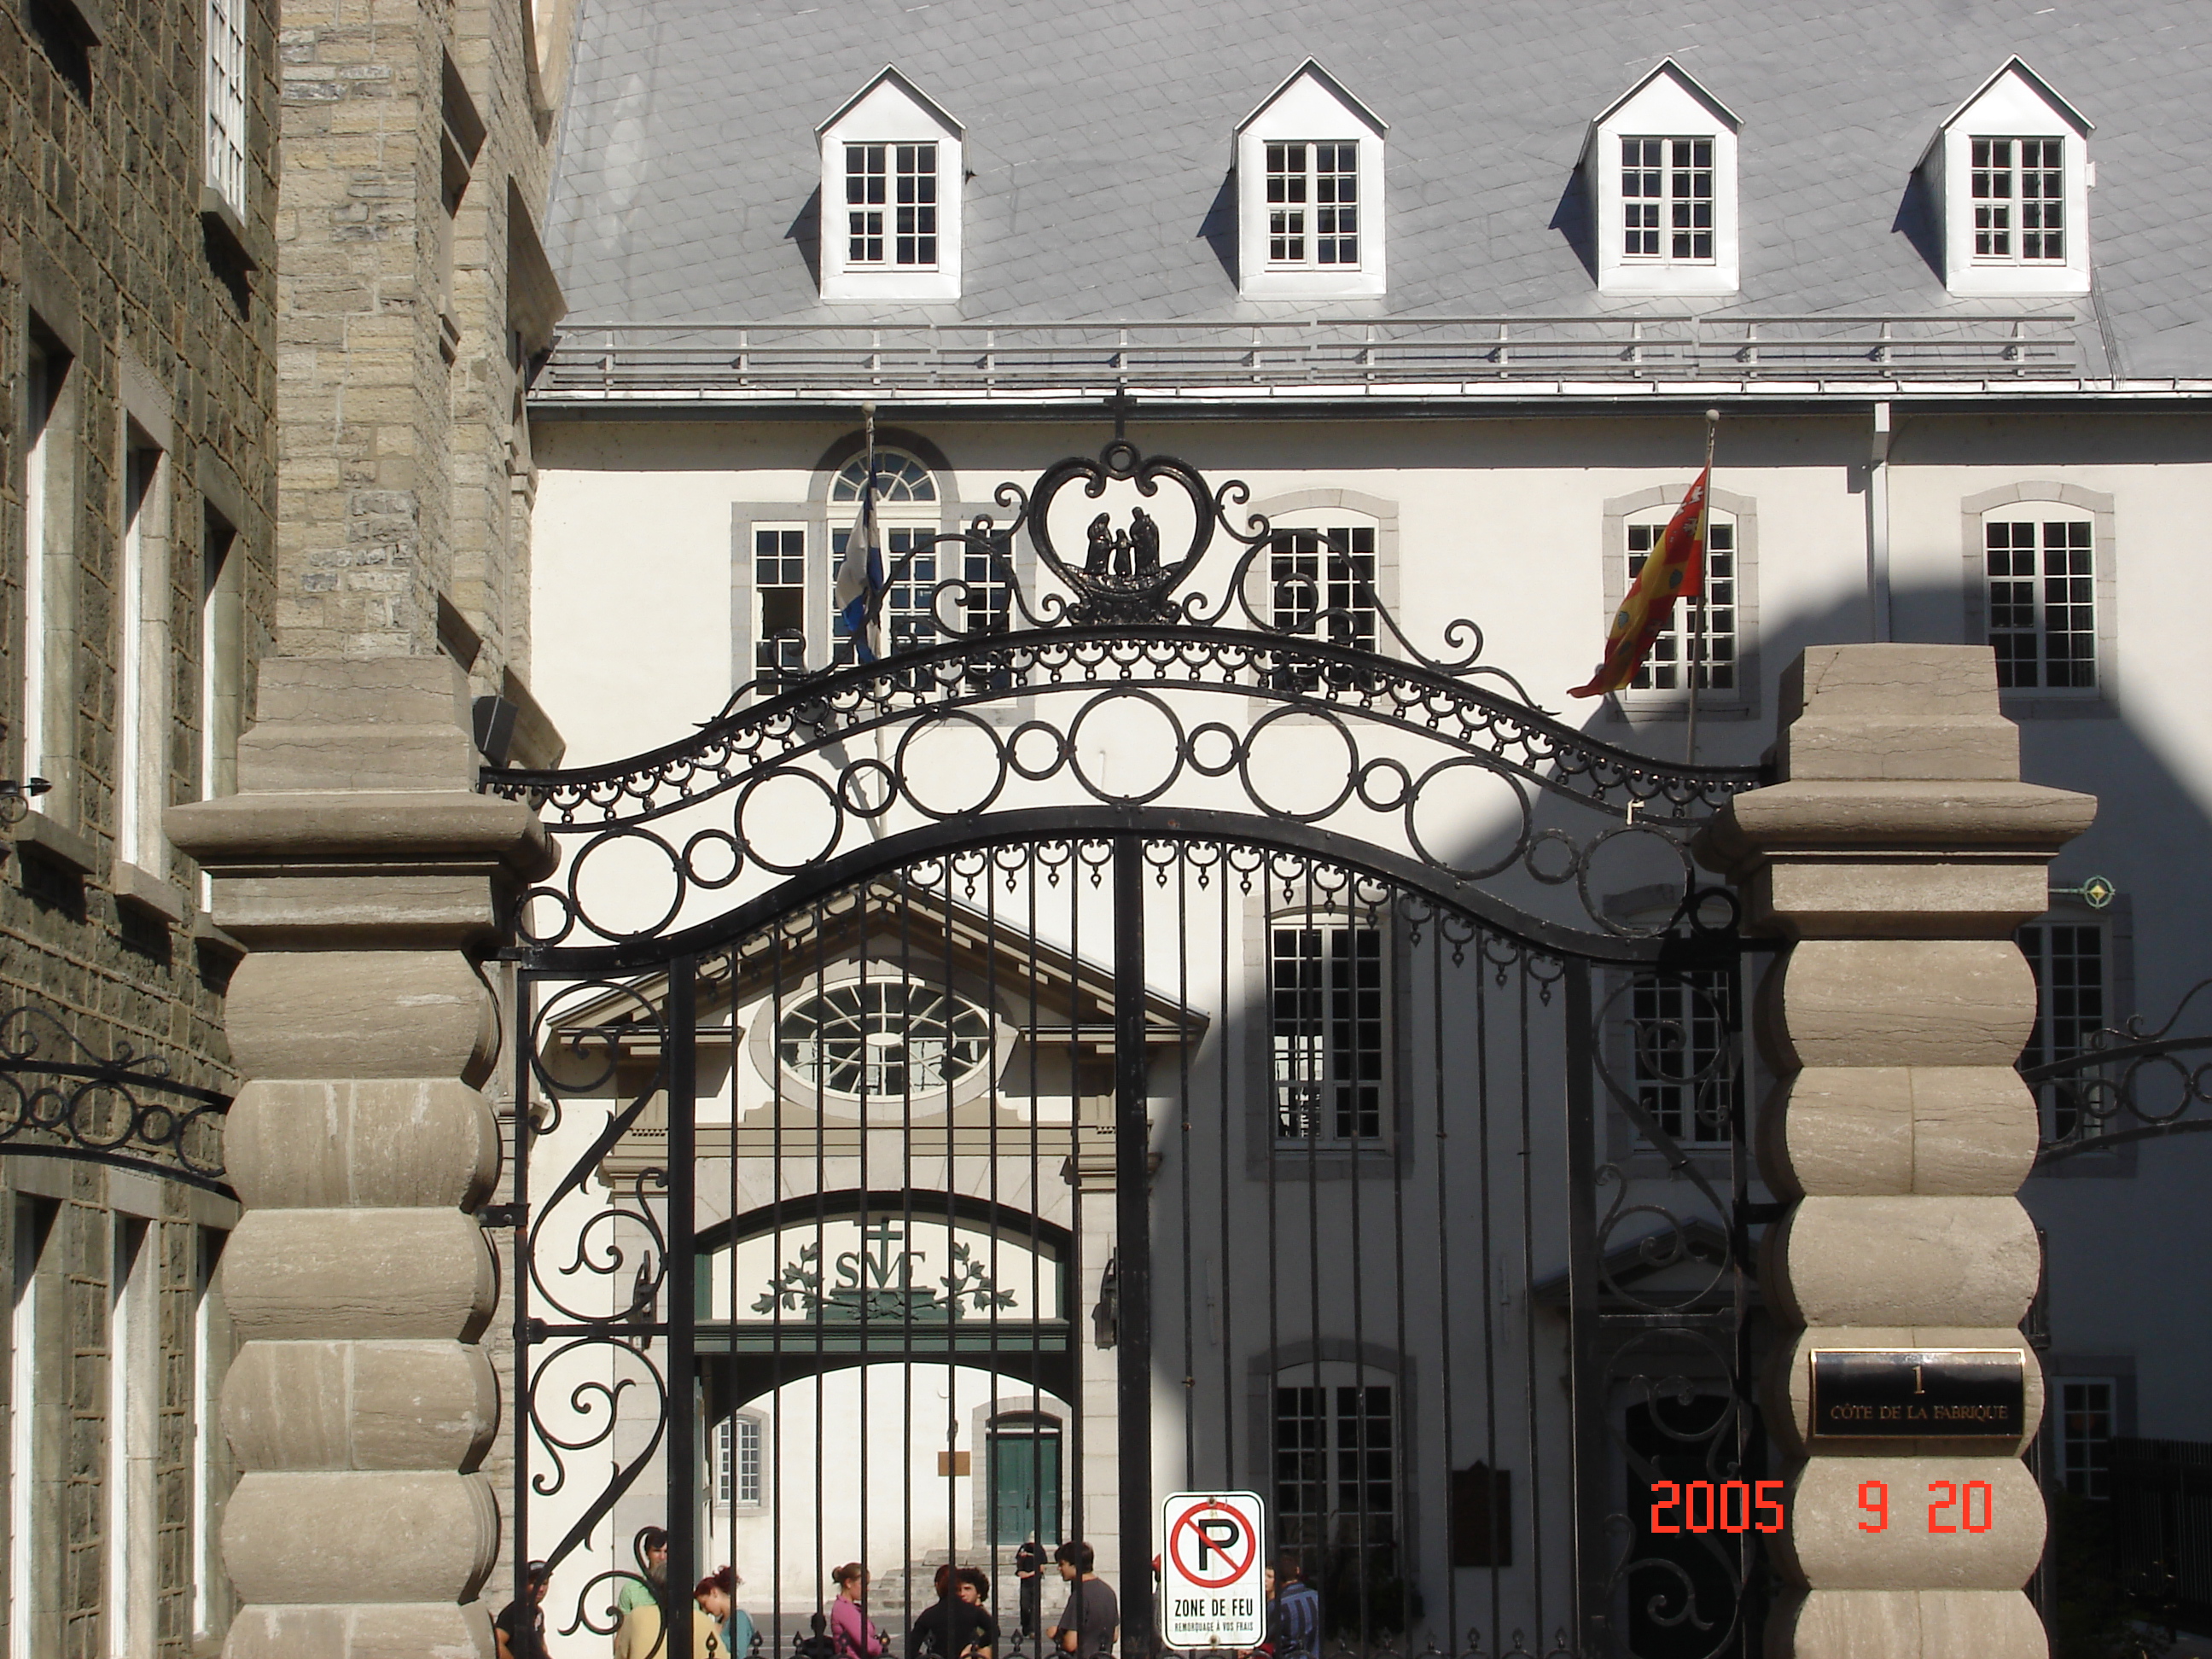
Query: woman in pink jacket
x,y
855,1634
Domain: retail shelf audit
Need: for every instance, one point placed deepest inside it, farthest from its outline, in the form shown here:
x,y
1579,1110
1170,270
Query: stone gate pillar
x,y
367,877
1899,853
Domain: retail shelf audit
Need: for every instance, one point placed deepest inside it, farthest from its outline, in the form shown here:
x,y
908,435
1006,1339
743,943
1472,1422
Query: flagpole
x,y
1694,654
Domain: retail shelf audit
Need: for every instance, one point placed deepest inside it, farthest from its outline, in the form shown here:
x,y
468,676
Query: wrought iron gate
x,y
1151,1038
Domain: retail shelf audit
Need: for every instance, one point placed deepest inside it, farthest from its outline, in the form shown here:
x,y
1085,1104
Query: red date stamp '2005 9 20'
x,y
1679,1506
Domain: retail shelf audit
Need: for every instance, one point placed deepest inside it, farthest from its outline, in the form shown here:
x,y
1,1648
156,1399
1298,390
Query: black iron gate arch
x,y
1346,1041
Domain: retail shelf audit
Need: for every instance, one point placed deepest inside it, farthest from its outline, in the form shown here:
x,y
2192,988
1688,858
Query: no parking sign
x,y
1211,1558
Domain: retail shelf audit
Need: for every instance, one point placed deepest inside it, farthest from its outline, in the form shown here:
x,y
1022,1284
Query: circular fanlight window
x,y
881,1037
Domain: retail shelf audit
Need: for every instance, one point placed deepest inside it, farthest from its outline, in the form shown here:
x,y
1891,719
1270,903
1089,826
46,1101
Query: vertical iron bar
x,y
681,1266
1586,1400
525,988
1133,1240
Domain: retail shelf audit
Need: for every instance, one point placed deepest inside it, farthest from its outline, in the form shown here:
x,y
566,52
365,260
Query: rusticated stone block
x,y
1937,1535
1957,1261
381,1537
1858,1131
305,1275
360,1406
414,1630
1905,1002
375,1145
1873,1623
362,1014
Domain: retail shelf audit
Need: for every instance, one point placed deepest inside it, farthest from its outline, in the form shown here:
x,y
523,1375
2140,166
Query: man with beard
x,y
653,1546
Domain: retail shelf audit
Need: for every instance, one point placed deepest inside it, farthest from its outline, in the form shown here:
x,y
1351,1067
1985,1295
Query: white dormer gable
x,y
891,177
1309,166
2009,173
1660,166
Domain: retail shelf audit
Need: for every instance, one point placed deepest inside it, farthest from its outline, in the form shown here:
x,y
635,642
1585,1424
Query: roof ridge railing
x,y
606,360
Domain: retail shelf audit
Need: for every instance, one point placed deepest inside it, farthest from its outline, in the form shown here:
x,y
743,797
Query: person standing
x,y
1029,1575
520,1626
733,1626
1297,1610
956,1625
855,1634
653,1546
1089,1622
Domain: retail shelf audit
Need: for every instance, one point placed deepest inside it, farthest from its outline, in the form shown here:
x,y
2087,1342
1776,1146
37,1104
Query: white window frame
x,y
225,150
2014,104
1309,107
1330,1376
890,111
1653,507
53,389
134,1361
1659,177
1692,1097
727,1439
143,699
2083,1476
783,659
2068,1009
1330,1114
1668,105
2038,502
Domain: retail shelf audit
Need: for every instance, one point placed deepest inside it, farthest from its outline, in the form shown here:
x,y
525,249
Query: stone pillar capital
x,y
358,825
1899,811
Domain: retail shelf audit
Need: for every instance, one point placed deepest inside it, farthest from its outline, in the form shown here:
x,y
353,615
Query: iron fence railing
x,y
2162,1527
607,362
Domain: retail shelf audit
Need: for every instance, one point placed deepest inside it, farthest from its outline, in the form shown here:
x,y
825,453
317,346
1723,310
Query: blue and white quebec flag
x,y
860,577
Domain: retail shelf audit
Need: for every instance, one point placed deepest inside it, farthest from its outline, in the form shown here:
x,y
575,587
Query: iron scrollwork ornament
x,y
1122,578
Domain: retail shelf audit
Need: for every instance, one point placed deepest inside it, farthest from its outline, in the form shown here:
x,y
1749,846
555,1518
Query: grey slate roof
x,y
1099,138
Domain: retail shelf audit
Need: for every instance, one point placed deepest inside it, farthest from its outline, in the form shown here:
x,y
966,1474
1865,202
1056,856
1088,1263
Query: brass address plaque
x,y
1887,1394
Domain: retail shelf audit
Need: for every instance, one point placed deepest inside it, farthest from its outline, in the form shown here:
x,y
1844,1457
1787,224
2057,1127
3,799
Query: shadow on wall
x,y
2105,1216
1217,230
806,231
1575,220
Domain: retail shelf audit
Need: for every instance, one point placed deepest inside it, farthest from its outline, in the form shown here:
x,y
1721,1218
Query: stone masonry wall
x,y
404,448
166,318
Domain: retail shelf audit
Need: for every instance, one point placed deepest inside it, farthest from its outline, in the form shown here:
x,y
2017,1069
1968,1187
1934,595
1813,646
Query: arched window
x,y
899,478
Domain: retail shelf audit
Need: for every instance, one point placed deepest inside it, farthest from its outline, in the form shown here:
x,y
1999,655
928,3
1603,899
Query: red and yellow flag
x,y
1676,569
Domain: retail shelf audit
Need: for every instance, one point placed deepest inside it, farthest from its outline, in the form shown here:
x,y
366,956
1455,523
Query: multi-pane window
x,y
1335,1469
1684,1061
738,1462
2043,600
2019,202
1321,584
890,205
1313,203
1666,198
1690,646
2068,961
899,478
2085,1435
226,102
780,601
1325,1002
908,619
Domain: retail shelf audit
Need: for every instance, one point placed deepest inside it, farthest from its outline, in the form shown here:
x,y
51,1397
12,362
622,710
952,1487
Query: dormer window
x,y
1309,166
2010,174
1667,199
2019,200
891,164
1313,203
892,187
1660,162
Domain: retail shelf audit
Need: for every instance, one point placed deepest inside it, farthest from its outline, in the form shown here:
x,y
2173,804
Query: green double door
x,y
1025,1486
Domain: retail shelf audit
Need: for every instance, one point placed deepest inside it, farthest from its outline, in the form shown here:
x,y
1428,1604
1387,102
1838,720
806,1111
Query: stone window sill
x,y
48,838
212,940
143,890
